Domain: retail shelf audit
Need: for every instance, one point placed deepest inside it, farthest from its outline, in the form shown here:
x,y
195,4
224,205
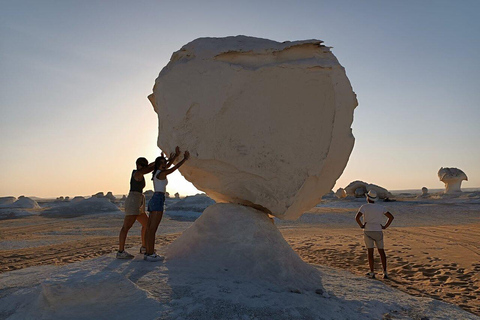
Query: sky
x,y
74,76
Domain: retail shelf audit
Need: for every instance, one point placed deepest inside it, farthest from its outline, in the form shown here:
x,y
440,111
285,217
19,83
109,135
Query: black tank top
x,y
136,185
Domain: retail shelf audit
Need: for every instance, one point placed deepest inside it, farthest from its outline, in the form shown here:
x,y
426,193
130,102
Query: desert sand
x,y
433,247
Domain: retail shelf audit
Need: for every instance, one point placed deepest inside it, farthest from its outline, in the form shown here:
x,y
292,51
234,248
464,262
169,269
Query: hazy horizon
x,y
75,77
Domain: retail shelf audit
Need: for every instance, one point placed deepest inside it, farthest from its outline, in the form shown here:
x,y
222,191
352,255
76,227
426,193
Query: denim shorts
x,y
157,203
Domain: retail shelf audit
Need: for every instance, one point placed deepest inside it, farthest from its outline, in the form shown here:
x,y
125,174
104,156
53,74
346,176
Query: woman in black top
x,y
135,207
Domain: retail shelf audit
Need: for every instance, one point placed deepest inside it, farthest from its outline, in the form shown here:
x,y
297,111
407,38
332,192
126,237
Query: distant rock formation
x,y
424,194
359,189
196,203
81,207
77,198
7,200
98,195
452,177
340,193
167,195
177,195
25,203
148,194
110,196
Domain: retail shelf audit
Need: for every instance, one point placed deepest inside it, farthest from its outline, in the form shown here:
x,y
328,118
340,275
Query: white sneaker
x,y
143,250
124,255
371,275
152,257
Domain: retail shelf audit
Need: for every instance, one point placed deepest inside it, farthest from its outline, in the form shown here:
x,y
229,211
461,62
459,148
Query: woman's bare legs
x,y
128,222
143,219
152,226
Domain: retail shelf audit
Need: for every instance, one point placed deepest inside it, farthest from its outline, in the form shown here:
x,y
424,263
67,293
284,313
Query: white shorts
x,y
373,237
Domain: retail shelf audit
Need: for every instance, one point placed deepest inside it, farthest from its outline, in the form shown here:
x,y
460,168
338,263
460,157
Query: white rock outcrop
x,y
7,200
25,203
110,196
359,189
78,198
452,177
267,124
340,193
260,251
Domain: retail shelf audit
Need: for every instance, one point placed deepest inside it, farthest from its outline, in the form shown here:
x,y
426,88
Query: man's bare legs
x,y
383,257
152,226
370,259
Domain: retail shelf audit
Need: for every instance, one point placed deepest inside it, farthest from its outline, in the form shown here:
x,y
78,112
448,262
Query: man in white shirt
x,y
373,219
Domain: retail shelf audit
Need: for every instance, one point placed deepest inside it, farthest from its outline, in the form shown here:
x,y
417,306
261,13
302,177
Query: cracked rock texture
x,y
267,124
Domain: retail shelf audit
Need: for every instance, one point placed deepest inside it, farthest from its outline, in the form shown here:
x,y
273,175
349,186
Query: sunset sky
x,y
75,76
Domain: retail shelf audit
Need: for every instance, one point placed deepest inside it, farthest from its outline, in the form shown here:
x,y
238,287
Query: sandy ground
x,y
439,261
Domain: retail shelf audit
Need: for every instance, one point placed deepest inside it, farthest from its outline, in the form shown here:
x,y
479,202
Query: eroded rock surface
x,y
267,123
452,177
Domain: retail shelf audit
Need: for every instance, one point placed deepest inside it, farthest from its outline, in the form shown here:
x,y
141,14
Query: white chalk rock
x,y
340,193
235,239
25,203
356,189
7,200
267,123
78,198
110,196
452,177
359,189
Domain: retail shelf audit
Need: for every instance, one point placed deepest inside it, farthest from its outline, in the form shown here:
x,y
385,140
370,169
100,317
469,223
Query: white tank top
x,y
159,185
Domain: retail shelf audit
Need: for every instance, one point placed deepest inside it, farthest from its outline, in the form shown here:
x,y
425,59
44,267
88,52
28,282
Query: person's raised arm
x,y
390,219
357,218
162,174
173,157
141,172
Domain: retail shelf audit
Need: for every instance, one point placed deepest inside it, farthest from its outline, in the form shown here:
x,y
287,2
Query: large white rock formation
x,y
452,177
267,123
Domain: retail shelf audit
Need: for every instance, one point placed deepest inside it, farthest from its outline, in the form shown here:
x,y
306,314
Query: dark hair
x,y
141,162
157,165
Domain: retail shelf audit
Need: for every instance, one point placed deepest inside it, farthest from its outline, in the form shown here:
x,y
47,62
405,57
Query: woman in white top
x,y
157,203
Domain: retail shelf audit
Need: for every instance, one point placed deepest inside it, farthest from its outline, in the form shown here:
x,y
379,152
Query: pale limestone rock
x,y
356,189
359,189
110,196
7,200
452,177
259,250
25,202
78,198
340,193
267,123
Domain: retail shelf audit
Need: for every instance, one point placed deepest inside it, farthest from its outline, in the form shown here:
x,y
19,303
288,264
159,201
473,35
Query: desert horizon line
x,y
49,197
